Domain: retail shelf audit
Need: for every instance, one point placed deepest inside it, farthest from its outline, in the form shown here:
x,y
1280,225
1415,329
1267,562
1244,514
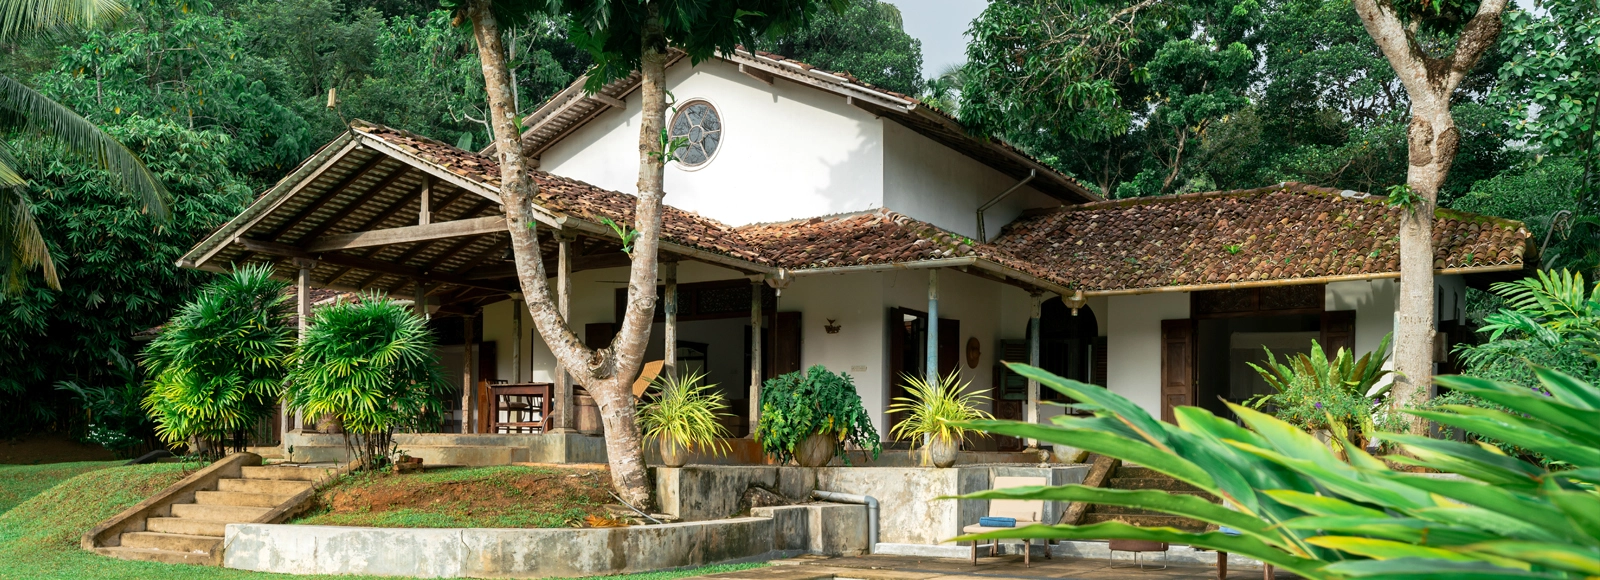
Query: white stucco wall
x,y
1133,344
936,184
1374,303
855,303
788,151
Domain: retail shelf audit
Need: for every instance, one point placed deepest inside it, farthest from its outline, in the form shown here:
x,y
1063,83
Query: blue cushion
x,y
995,522
1229,531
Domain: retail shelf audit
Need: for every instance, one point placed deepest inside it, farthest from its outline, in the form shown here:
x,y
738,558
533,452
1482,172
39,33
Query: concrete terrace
x,y
881,567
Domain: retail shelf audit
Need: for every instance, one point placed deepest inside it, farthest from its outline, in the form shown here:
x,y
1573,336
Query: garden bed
x,y
475,497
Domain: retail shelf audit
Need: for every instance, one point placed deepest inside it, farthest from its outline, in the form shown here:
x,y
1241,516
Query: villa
x,y
814,219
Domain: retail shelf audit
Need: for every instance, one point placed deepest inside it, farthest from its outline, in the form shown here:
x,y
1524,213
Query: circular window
x,y
698,123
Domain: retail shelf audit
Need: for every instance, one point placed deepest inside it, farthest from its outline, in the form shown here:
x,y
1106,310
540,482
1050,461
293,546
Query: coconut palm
x,y
24,110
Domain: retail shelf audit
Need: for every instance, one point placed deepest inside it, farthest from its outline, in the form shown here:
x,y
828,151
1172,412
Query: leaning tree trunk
x,y
1432,141
607,373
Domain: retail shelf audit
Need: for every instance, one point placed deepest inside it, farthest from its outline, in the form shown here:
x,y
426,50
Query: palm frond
x,y
46,118
20,17
22,246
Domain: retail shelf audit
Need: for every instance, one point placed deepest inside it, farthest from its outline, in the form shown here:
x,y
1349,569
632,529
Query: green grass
x,y
39,536
473,497
20,482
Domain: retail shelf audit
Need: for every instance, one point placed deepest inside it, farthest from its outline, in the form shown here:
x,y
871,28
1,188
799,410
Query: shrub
x,y
685,410
1316,394
798,405
934,411
218,366
369,364
1292,503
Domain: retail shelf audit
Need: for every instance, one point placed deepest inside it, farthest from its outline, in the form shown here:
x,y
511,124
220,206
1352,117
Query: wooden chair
x,y
1137,547
1027,513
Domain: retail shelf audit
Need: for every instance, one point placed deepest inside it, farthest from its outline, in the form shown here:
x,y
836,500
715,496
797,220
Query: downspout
x,y
867,500
1032,173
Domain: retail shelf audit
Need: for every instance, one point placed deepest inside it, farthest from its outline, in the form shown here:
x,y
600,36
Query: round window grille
x,y
698,123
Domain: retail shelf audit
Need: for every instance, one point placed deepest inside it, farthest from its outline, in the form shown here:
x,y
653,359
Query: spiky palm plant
x,y
218,366
24,110
371,365
685,411
1315,393
935,411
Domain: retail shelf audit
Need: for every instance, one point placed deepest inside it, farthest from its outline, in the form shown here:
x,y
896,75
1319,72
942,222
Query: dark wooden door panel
x,y
1338,331
1177,366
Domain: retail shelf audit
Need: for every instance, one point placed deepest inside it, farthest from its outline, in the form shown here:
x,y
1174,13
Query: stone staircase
x,y
1129,477
191,532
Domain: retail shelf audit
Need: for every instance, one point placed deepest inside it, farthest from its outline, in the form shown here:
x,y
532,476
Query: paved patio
x,y
879,567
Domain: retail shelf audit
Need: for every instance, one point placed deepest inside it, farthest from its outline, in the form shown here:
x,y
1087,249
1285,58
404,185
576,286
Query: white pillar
x,y
931,373
564,421
1031,414
755,352
669,308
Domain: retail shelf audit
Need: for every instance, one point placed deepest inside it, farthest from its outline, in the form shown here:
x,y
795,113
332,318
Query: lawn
x,y
475,497
20,482
39,536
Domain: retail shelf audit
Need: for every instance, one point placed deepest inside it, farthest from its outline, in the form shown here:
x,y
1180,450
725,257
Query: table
x,y
519,408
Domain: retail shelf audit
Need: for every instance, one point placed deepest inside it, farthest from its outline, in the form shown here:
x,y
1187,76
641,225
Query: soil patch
x,y
49,448
478,497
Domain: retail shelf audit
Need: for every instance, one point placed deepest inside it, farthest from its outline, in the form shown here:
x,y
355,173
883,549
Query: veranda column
x,y
1031,415
669,309
563,408
419,299
303,308
756,282
425,205
932,371
467,388
516,337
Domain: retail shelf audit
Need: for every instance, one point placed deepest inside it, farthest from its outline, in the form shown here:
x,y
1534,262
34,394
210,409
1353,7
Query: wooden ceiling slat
x,y
356,204
330,194
406,255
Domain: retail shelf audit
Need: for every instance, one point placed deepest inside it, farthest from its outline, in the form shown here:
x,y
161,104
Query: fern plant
x,y
684,410
370,364
801,404
218,366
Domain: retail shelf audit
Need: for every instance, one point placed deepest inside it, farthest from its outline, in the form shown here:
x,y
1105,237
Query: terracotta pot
x,y
587,414
672,454
816,450
941,451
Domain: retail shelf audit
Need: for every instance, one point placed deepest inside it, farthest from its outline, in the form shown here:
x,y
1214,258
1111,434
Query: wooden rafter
x,y
408,234
331,194
355,204
288,251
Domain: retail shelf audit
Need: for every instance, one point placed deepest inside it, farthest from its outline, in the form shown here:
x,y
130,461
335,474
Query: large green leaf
x,y
1578,423
1321,505
1385,549
1153,431
1429,569
1468,460
1394,528
1177,504
1510,503
1510,429
1544,554
1243,545
1103,443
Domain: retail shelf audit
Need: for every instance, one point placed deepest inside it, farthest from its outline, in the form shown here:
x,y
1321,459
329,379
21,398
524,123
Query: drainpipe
x,y
867,500
1032,173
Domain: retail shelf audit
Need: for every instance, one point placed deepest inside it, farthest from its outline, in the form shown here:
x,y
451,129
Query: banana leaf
x,y
1176,504
1545,554
1430,569
1399,529
1509,429
1243,545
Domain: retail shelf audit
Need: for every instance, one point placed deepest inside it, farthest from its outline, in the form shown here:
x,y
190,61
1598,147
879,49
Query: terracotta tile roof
x,y
873,237
1282,232
572,197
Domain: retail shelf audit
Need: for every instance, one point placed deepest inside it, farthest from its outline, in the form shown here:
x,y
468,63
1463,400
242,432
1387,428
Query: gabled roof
x,y
574,107
1287,233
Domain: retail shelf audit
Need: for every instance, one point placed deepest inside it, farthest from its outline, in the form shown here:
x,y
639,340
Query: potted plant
x,y
1328,397
809,417
682,416
931,413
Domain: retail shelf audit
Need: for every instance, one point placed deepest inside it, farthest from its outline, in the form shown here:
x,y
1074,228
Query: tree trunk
x,y
607,372
1432,142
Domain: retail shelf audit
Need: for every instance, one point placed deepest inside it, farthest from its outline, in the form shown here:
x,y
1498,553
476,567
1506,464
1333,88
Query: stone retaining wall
x,y
828,529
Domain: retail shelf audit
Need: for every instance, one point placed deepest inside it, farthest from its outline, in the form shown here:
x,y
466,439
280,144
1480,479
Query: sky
x,y
941,25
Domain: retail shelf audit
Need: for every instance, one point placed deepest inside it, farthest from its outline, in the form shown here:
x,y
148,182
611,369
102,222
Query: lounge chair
x,y
1026,512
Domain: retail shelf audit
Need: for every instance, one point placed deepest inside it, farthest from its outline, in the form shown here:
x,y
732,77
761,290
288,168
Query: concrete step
x,y
239,498
287,487
186,526
171,542
1164,483
273,452
284,472
163,556
470,455
1147,521
218,513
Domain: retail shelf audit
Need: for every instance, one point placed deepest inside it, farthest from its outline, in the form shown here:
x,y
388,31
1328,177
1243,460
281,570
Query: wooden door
x,y
1338,331
1177,366
784,337
950,352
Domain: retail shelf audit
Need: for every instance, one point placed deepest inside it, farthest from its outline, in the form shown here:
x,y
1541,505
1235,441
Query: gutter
x,y
982,238
1298,281
866,500
969,261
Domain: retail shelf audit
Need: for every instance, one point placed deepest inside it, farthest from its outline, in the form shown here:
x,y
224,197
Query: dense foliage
x,y
867,40
1291,502
805,403
217,368
370,366
1339,395
935,410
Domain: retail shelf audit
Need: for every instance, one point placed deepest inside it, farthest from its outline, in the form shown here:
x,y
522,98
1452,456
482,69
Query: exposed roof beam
x,y
756,73
608,100
355,204
409,234
331,194
288,251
